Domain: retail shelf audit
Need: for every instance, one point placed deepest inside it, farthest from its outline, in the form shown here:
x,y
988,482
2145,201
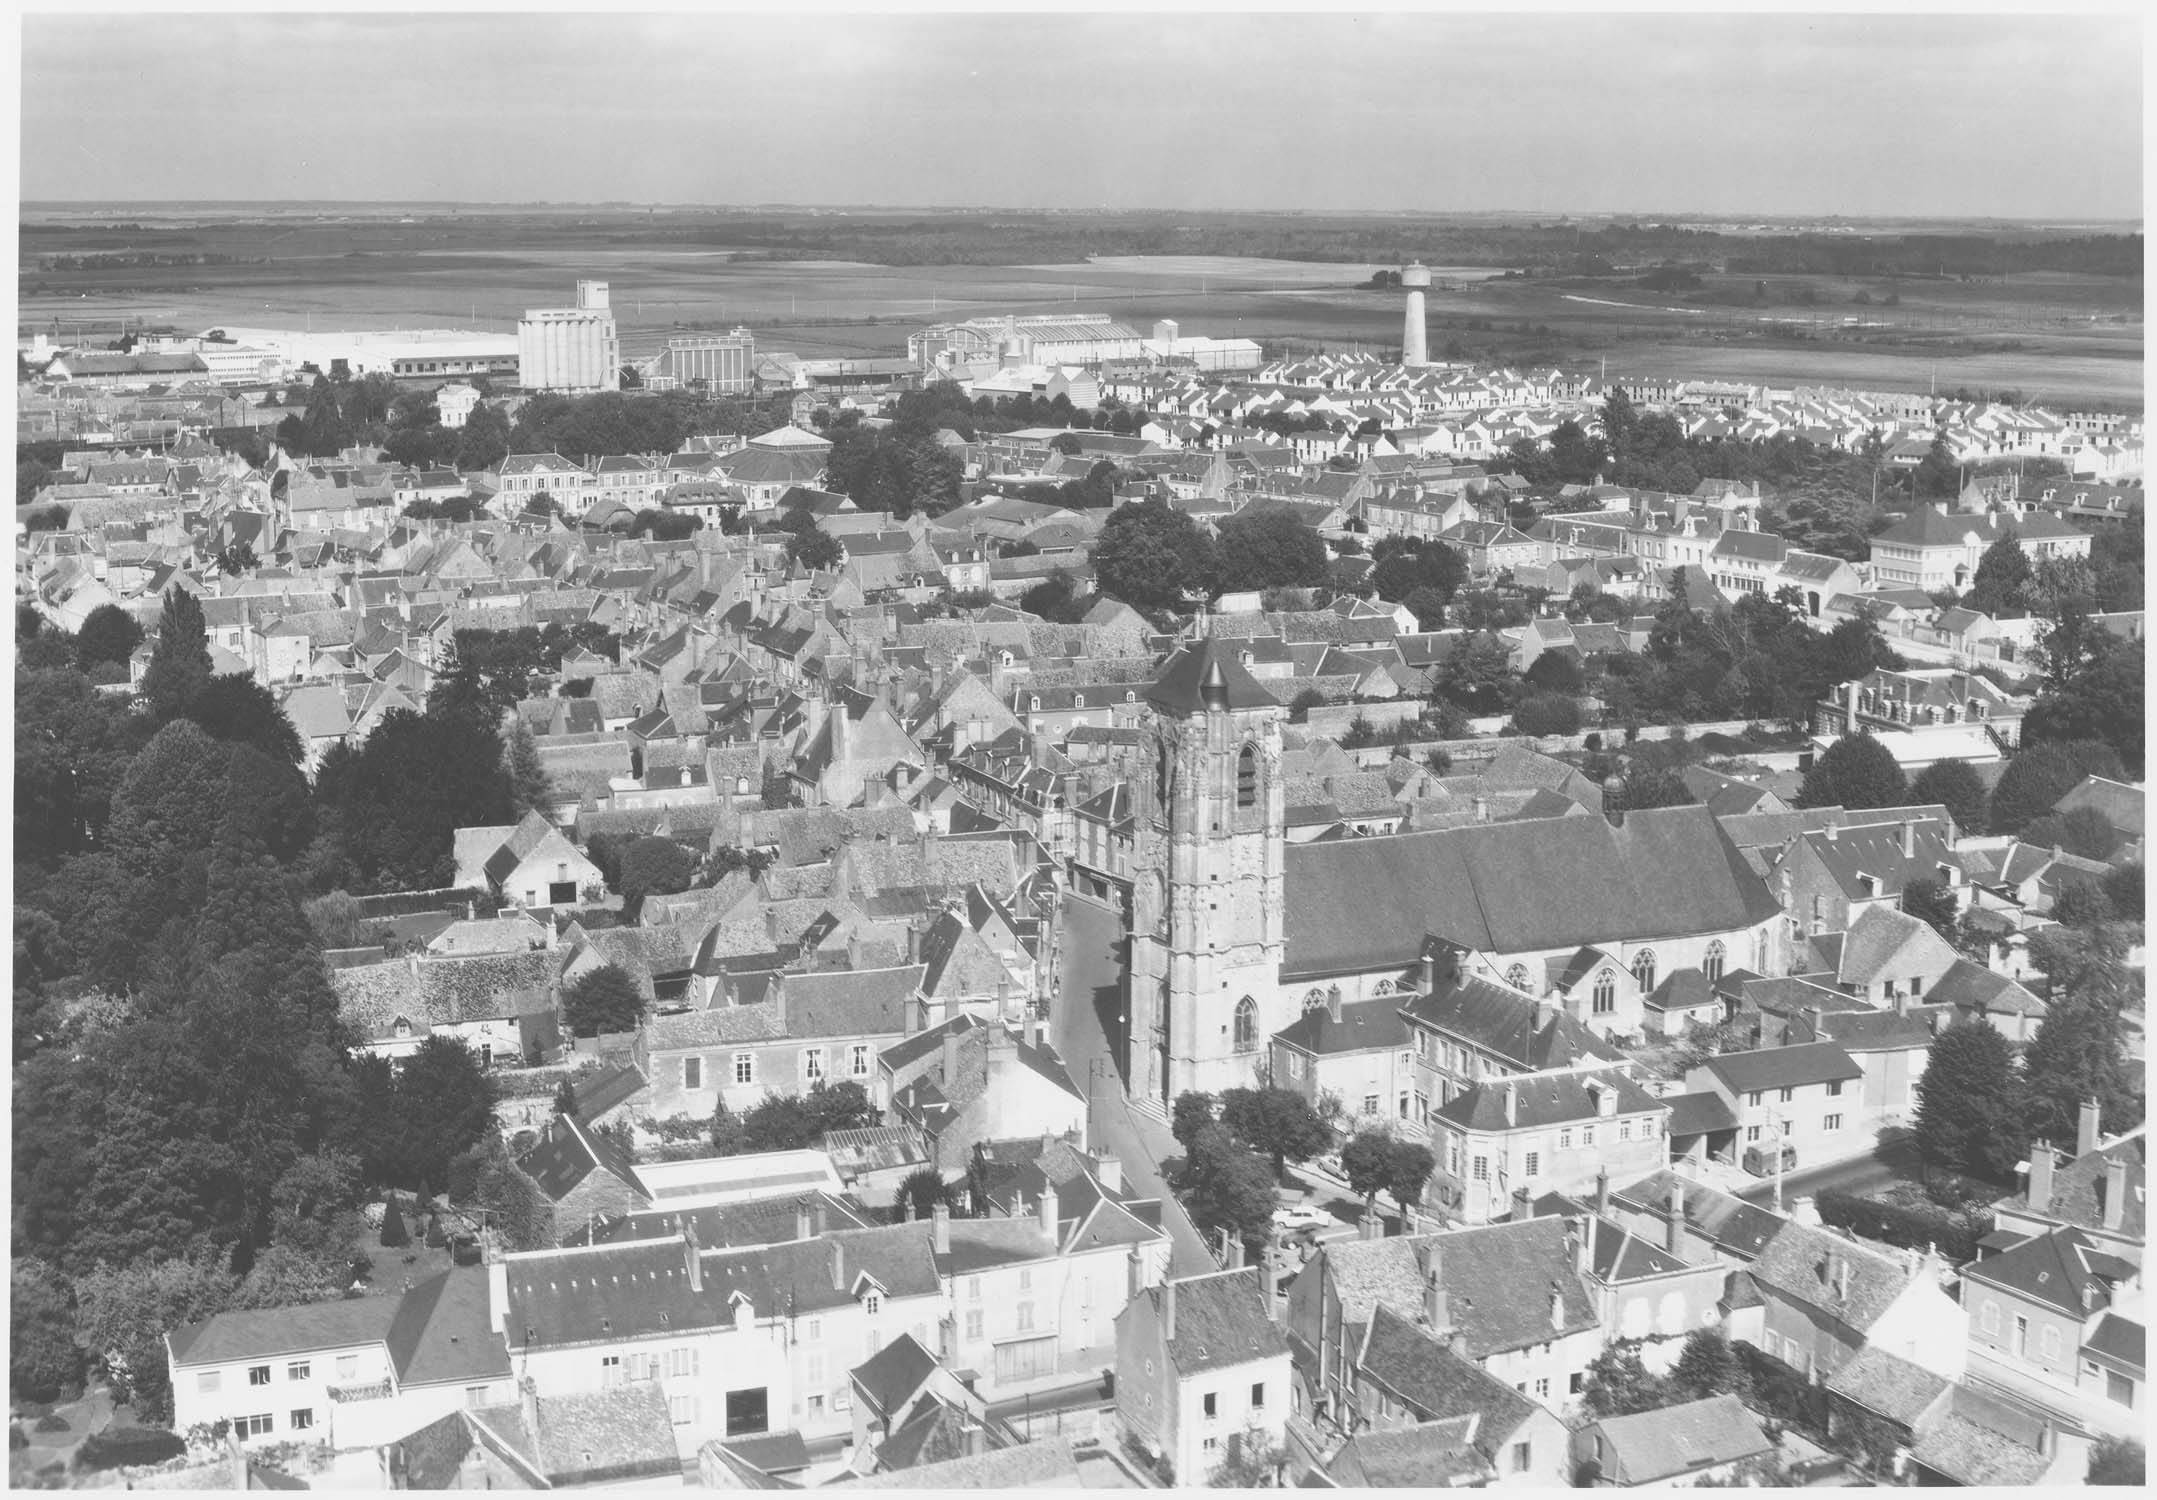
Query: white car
x,y
1301,1218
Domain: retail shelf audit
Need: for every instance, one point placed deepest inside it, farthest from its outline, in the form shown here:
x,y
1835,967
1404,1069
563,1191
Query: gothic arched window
x,y
1246,1025
1517,976
1712,965
1314,999
1606,993
1644,969
1247,777
1382,987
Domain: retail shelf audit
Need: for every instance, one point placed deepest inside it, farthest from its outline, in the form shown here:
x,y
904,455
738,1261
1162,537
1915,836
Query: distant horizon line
x,y
2058,220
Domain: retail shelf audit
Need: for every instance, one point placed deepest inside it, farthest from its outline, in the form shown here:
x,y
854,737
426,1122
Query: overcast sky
x,y
2008,116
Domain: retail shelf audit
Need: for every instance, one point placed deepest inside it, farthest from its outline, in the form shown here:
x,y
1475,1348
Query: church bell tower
x,y
1208,911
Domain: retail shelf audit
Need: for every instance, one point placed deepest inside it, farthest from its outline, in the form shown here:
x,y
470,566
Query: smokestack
x,y
1674,1231
2041,1177
2115,1190
2086,1128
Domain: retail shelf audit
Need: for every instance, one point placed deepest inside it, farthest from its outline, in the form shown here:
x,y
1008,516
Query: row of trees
x,y
1155,557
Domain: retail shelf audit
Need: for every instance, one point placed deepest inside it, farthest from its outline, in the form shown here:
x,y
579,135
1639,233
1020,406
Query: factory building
x,y
571,349
723,364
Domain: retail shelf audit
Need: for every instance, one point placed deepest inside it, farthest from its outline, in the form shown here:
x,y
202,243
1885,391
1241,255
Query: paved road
x,y
1857,1175
1088,1003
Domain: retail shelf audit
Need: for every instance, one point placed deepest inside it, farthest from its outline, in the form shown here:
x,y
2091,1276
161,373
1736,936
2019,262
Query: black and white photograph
x,y
767,747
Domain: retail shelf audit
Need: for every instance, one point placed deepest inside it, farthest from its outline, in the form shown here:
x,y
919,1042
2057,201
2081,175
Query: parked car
x,y
1301,1216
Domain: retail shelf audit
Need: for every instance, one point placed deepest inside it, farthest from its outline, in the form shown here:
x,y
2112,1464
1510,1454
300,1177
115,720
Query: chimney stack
x,y
1909,838
940,1228
951,1059
1168,1311
1675,1230
1051,1225
838,1265
1521,1212
802,1228
1434,1296
2041,1177
1109,1168
693,1254
2086,1128
1134,1275
528,1399
1840,1264
1269,1286
1234,1249
1333,1004
1602,1190
2115,1204
1579,1238
1557,1305
1512,1105
1369,1228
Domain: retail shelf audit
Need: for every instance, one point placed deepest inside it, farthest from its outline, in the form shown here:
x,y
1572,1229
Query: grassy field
x,y
2065,338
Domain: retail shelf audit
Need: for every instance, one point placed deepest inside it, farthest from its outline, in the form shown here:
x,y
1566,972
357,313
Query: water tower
x,y
1415,348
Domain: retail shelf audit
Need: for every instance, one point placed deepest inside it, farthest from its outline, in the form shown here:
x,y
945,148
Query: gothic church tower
x,y
1207,912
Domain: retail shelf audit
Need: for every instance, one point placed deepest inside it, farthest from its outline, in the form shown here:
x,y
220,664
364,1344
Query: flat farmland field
x,y
2060,337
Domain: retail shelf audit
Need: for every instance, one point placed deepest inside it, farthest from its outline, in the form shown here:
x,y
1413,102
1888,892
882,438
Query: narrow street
x,y
1859,1174
1088,1004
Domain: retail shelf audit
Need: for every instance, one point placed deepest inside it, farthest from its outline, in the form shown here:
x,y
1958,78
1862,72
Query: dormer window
x,y
872,1303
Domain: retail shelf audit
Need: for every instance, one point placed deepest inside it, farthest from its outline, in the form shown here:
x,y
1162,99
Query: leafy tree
x,y
1367,1163
1969,1104
2101,701
179,666
1955,786
602,1000
919,1193
1192,1112
1708,1366
782,1122
43,1361
445,1105
109,635
2080,1050
1937,475
2124,885
2117,1460
729,1136
654,867
1477,675
73,746
1407,1172
2041,774
235,708
513,1204
1402,565
392,806
282,1277
1547,713
1277,1123
2082,831
1269,546
394,1235
1228,1186
2002,579
1150,555
122,1315
1643,786
813,547
1617,1384
1855,772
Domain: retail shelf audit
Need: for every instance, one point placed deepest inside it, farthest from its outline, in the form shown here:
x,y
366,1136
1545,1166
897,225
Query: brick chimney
x,y
2041,1177
2086,1128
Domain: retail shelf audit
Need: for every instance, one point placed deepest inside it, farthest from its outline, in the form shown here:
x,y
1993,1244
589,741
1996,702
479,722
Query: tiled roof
x,y
1784,1067
1674,1440
1885,1383
1800,1262
1437,1383
591,1437
2063,1270
1540,1103
2078,1189
1365,1025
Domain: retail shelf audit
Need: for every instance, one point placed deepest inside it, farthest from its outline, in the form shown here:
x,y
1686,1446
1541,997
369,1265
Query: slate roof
x,y
1179,688
1504,1022
889,1378
1498,1280
1045,1463
1797,1260
591,1437
1674,1440
2121,1341
1365,1025
849,1002
1730,1222
2062,1270
1698,1114
1222,1321
1428,1455
755,1221
2078,1188
1428,1376
1361,904
1543,1102
567,1152
1784,1067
